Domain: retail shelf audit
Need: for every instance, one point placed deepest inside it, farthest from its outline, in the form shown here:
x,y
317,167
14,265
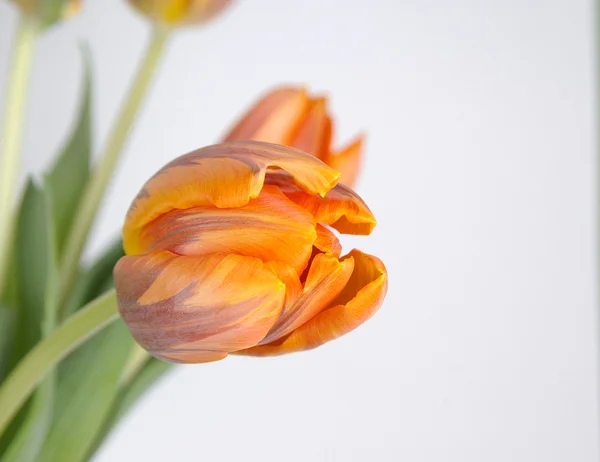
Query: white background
x,y
480,170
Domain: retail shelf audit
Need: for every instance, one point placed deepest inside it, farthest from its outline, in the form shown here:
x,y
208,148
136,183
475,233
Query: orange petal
x,y
326,279
273,118
180,12
196,309
226,175
313,130
341,208
347,161
327,242
289,276
264,228
360,300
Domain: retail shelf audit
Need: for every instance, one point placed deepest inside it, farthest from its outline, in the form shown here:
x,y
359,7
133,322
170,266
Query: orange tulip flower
x,y
291,117
180,12
229,250
47,16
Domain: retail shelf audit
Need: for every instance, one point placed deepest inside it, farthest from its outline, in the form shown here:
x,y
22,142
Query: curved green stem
x,y
51,350
10,140
92,196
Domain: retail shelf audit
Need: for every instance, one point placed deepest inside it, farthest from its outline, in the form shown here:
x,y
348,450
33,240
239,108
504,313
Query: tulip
x,y
180,12
230,249
48,14
291,117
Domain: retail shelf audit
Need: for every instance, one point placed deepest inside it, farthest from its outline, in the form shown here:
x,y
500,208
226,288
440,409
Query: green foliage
x,y
37,272
89,383
7,331
69,175
149,375
96,279
36,269
76,405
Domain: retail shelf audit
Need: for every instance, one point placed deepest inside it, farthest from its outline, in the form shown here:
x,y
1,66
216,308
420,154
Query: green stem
x,y
137,360
16,93
51,350
92,196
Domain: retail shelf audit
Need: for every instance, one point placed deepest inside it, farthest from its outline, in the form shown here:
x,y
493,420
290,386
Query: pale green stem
x,y
137,359
94,192
10,138
24,378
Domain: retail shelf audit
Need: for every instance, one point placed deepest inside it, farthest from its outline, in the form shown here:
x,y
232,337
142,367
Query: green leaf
x,y
37,272
89,381
25,446
35,267
69,175
7,328
96,279
129,394
149,375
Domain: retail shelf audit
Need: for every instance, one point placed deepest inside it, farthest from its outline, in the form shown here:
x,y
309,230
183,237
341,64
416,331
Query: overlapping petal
x,y
262,228
341,208
356,303
232,249
289,116
226,176
184,308
326,279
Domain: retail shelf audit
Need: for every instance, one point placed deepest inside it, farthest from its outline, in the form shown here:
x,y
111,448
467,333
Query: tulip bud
x,y
230,249
48,12
291,117
180,12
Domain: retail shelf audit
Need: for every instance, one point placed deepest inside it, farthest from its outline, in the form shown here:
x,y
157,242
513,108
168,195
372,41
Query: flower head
x,y
291,117
47,13
230,250
180,12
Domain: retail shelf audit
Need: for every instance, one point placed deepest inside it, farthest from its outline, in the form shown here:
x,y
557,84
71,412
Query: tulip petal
x,y
326,279
347,161
180,12
263,229
327,242
273,118
289,276
341,208
360,300
195,309
314,130
227,175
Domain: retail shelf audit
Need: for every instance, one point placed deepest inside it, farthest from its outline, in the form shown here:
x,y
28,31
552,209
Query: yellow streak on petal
x,y
225,175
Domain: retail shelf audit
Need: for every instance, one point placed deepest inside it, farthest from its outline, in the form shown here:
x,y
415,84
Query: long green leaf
x,y
88,387
129,394
68,177
38,282
26,444
89,379
152,371
32,263
97,278
7,330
